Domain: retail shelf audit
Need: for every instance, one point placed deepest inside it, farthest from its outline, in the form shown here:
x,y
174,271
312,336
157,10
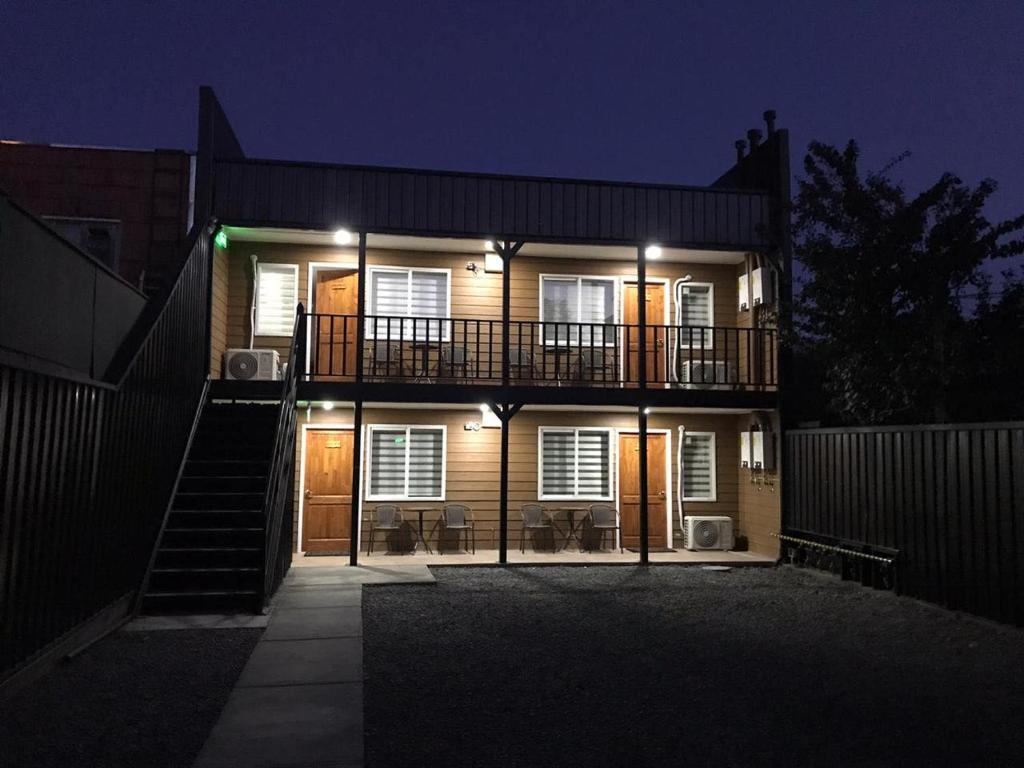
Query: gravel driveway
x,y
135,699
681,666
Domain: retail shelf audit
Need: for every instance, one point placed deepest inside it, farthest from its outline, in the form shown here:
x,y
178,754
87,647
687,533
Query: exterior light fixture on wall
x,y
327,405
221,239
472,426
342,237
489,419
472,267
652,252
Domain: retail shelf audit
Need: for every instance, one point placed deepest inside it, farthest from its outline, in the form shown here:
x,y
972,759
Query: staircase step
x,y
186,537
217,500
206,601
222,484
216,518
204,579
201,557
220,467
227,450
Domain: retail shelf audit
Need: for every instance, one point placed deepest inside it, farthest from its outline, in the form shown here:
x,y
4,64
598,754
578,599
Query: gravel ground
x,y
134,699
681,666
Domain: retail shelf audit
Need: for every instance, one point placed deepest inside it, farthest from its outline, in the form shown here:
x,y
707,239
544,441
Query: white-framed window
x,y
586,304
697,465
419,300
574,463
277,293
406,463
695,308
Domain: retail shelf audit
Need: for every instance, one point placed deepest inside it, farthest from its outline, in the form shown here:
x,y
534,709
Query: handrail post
x,y
357,446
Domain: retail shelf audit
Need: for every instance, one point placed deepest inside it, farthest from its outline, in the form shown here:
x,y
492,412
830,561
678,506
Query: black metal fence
x,y
949,498
86,469
468,350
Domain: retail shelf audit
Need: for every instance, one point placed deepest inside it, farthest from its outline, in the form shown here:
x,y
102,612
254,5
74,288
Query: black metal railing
x,y
540,353
279,501
87,468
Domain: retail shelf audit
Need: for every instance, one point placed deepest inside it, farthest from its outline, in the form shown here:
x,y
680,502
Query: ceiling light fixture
x,y
342,237
652,252
328,406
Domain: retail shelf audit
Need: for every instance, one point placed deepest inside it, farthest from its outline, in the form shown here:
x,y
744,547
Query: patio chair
x,y
385,359
535,518
604,518
452,359
521,365
593,366
458,518
387,518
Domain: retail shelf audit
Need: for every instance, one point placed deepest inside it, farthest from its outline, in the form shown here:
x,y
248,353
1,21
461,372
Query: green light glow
x,y
221,240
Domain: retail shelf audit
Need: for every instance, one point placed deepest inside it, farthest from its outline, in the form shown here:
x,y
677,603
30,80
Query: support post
x,y
504,413
641,302
506,250
361,309
357,445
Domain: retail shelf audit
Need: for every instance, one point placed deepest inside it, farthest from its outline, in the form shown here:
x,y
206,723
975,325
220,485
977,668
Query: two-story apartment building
x,y
489,342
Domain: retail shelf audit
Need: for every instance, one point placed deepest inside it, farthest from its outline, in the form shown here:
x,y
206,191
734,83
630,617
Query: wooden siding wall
x,y
473,464
473,296
950,498
249,191
219,312
760,502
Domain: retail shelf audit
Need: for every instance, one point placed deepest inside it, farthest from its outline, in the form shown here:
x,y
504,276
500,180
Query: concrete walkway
x,y
299,700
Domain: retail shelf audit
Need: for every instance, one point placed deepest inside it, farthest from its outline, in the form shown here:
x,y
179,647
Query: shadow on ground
x,y
134,699
681,666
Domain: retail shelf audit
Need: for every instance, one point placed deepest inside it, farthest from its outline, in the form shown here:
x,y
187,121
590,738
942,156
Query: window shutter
x,y
390,292
387,462
558,457
592,460
426,457
698,467
695,305
597,305
277,295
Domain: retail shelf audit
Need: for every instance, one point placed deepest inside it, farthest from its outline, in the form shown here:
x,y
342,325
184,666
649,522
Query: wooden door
x,y
327,506
336,293
656,347
629,490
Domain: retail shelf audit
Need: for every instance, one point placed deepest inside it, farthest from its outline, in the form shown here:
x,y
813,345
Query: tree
x,y
879,310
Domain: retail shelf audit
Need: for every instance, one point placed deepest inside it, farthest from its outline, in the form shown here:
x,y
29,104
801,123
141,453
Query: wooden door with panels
x,y
327,496
336,292
656,346
629,490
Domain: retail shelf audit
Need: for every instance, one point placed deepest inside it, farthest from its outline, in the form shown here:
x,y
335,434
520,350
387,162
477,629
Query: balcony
x,y
468,351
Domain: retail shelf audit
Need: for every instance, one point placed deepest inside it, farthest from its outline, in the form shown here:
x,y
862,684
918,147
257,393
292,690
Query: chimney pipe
x,y
740,146
769,119
754,137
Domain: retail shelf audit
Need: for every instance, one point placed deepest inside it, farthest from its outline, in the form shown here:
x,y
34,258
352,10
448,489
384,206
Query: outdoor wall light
x,y
472,426
342,237
472,267
489,420
328,406
652,252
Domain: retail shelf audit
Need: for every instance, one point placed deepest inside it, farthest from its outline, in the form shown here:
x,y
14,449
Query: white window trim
x,y
541,496
683,432
256,287
709,343
371,428
408,336
616,308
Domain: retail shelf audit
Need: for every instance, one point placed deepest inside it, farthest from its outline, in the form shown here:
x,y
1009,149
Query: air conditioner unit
x,y
252,365
707,533
716,374
743,284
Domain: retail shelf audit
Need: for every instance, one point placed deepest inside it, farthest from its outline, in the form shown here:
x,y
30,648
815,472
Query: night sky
x,y
634,91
